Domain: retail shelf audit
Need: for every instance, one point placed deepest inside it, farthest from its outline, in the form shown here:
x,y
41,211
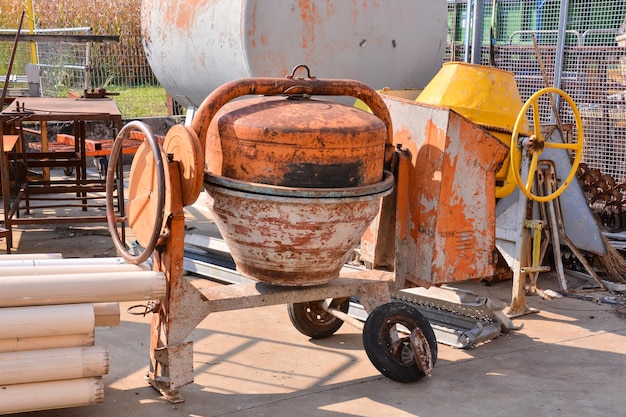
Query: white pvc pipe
x,y
92,288
18,344
26,260
51,395
28,256
53,364
107,314
54,320
67,268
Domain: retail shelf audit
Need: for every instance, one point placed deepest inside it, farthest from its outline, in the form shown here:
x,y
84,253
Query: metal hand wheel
x,y
536,143
148,199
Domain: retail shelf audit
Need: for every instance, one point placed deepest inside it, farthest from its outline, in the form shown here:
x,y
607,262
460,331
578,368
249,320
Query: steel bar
x,y
35,37
10,67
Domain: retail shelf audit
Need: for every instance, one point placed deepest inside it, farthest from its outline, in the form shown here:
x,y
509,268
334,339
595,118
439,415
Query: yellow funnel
x,y
487,96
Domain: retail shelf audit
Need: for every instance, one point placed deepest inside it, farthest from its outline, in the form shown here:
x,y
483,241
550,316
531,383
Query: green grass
x,y
142,101
123,61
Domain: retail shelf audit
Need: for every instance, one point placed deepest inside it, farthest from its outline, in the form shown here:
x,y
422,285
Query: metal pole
x,y
492,35
10,68
560,44
31,26
453,40
468,25
477,32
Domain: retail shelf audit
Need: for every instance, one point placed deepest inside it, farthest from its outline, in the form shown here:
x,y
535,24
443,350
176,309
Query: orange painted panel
x,y
445,229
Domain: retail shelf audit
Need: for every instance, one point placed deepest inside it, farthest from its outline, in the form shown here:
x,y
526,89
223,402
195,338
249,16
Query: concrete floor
x,y
568,360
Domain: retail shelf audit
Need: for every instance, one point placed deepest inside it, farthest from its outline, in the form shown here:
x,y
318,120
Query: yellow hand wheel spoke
x,y
531,172
538,144
569,146
536,119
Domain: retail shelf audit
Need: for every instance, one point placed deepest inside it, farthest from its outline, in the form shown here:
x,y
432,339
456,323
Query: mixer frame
x,y
411,349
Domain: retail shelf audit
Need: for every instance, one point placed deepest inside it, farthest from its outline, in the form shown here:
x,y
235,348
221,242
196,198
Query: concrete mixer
x,y
291,232
294,181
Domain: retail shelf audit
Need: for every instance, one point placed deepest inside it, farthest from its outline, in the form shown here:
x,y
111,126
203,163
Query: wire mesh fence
x,y
67,68
582,47
63,65
581,44
122,68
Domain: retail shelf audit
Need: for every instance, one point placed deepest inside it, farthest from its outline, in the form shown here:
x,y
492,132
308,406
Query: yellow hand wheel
x,y
535,143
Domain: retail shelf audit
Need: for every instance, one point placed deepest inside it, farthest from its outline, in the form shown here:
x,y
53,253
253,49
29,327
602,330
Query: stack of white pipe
x,y
49,308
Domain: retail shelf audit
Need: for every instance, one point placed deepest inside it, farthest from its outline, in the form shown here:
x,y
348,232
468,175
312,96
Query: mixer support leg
x,y
171,359
518,305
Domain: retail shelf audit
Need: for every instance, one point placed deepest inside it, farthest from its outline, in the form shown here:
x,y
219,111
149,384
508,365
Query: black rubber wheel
x,y
312,320
387,342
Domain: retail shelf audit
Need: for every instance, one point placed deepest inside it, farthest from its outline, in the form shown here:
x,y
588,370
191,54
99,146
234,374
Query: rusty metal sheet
x,y
56,109
446,210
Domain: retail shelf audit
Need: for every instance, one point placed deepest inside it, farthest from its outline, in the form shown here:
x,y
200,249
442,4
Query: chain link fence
x,y
583,48
588,61
63,65
70,68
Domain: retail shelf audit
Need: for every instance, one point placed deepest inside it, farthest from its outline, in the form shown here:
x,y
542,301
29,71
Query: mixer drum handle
x,y
291,85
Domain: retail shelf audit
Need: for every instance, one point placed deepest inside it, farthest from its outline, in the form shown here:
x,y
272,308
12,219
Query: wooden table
x,y
76,111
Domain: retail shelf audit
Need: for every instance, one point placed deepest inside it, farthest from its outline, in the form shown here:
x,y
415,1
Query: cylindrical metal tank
x,y
195,46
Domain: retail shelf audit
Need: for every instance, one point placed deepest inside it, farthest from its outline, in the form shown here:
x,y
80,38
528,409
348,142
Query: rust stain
x,y
311,18
402,136
181,14
252,28
289,241
403,190
428,166
330,8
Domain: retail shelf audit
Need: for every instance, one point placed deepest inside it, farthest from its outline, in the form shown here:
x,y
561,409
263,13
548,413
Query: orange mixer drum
x,y
293,180
296,142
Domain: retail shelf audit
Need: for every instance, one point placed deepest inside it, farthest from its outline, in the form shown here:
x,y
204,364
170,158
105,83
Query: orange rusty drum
x,y
296,142
293,181
292,236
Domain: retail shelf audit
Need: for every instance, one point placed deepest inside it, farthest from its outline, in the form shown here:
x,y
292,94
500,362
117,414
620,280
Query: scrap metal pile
x,y
605,196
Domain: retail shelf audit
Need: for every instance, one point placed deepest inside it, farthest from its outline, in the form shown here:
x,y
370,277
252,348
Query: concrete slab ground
x,y
569,359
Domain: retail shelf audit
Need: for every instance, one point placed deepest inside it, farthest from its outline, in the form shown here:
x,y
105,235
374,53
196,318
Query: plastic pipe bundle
x,y
49,308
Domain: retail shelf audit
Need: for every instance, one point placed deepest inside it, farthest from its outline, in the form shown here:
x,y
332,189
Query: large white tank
x,y
194,46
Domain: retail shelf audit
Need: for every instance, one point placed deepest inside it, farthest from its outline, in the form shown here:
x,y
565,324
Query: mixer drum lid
x,y
296,142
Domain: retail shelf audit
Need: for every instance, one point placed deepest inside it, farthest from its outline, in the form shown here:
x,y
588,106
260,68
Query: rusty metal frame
x,y
185,306
547,176
551,211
